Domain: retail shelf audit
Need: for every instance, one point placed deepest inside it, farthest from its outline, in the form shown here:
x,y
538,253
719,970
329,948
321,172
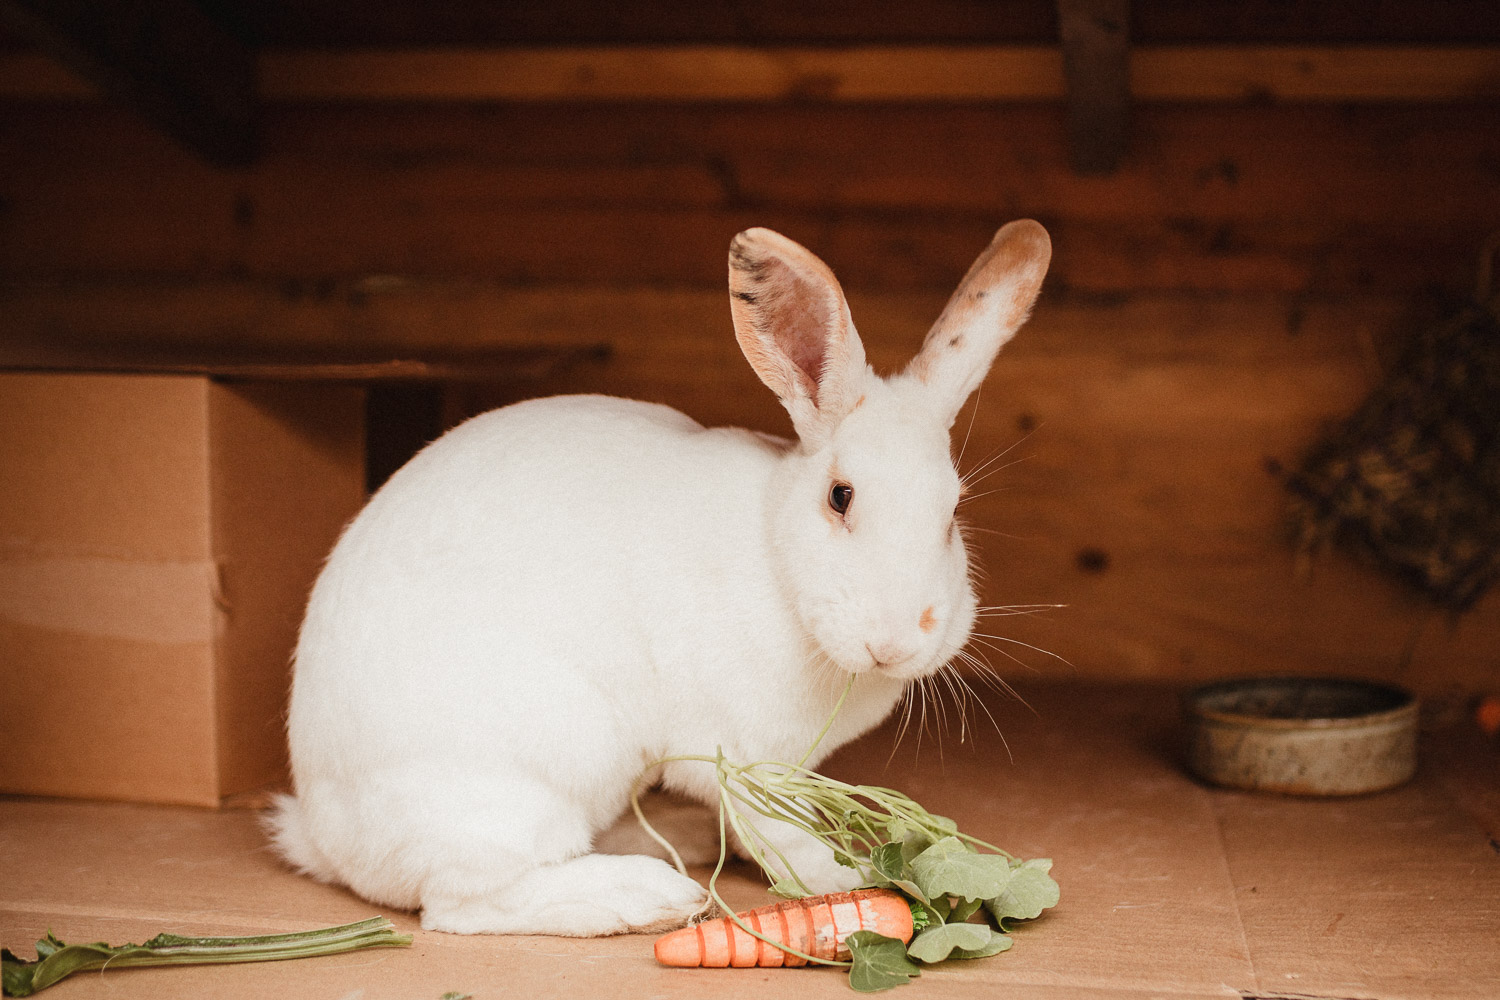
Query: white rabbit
x,y
558,593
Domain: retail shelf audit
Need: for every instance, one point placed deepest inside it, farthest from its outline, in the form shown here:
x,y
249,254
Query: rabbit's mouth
x,y
908,666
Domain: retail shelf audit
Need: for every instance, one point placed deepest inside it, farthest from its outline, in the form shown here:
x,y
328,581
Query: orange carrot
x,y
815,925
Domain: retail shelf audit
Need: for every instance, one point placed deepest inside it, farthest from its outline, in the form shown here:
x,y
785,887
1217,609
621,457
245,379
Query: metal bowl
x,y
1302,735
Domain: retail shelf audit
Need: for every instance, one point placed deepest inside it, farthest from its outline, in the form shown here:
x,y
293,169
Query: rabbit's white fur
x,y
556,594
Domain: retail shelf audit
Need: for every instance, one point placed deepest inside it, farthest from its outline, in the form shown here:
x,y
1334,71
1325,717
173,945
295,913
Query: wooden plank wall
x,y
1235,286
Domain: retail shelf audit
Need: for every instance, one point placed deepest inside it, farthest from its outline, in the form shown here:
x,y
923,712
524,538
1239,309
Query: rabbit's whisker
x,y
974,412
965,529
942,716
947,678
929,689
978,700
1018,607
905,708
975,496
1002,611
921,692
991,678
968,494
1018,642
1003,652
996,456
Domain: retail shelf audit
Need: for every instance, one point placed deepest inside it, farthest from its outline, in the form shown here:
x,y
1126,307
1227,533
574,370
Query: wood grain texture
x,y
678,73
1292,73
909,73
1320,200
1211,307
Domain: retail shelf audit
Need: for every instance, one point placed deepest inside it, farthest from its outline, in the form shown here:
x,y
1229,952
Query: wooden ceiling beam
x,y
164,58
1096,64
1393,74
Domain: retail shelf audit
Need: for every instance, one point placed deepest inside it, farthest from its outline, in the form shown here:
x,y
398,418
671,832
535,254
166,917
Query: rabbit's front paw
x,y
588,896
810,858
648,895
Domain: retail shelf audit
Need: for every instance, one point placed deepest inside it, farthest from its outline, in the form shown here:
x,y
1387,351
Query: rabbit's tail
x,y
286,825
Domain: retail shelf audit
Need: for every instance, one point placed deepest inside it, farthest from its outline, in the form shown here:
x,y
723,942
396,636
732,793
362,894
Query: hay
x,y
1412,479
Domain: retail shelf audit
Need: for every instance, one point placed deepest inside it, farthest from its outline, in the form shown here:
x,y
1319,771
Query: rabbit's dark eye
x,y
840,497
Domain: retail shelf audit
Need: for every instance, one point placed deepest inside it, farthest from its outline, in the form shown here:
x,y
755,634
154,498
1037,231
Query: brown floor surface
x,y
1169,889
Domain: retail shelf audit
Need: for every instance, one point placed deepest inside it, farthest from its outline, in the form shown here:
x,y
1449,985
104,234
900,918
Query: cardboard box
x,y
158,538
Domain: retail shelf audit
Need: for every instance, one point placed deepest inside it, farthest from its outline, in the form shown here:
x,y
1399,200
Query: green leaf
x,y
943,823
911,889
997,943
65,959
951,868
56,959
964,909
894,872
887,860
915,843
1029,891
15,974
787,888
880,962
936,943
897,829
920,918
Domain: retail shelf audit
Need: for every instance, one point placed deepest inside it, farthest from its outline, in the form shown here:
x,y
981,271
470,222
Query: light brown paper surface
x,y
1169,889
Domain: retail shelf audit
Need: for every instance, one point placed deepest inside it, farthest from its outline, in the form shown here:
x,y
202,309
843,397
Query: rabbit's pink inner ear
x,y
805,334
790,333
789,316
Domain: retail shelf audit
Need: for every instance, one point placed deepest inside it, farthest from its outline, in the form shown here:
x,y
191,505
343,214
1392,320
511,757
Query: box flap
x,y
287,475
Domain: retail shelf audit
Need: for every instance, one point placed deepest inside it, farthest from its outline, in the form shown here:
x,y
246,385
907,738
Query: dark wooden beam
x,y
282,363
946,74
164,58
1096,64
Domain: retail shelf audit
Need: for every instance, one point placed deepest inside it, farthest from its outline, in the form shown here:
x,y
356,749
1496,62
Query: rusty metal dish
x,y
1302,735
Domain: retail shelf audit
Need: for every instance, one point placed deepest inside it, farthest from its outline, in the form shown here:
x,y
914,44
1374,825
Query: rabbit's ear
x,y
793,324
990,304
